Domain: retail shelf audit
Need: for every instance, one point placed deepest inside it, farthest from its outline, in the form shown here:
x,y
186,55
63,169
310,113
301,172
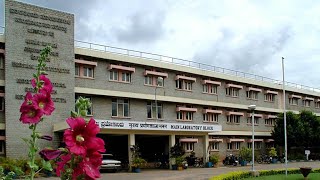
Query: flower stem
x,y
33,151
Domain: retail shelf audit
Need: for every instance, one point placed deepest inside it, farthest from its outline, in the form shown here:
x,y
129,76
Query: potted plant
x,y
176,151
179,162
137,163
245,154
214,159
273,154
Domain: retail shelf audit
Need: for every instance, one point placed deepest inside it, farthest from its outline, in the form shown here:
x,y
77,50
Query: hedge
x,y
235,175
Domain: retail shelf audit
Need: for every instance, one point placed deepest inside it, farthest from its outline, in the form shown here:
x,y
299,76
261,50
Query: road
x,y
198,173
195,173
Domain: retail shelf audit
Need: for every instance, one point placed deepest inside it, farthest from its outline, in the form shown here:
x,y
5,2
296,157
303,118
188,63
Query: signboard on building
x,y
140,125
29,29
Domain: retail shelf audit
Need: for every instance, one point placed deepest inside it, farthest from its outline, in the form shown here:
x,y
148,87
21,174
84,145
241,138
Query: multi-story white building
x,y
139,98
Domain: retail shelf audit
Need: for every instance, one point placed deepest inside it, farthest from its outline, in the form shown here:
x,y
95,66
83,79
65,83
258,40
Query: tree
x,y
303,129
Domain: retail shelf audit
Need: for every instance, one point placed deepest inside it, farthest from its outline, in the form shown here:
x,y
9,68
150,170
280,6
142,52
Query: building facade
x,y
137,98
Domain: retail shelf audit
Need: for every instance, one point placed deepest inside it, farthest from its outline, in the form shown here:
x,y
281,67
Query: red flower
x,y
91,164
49,154
44,103
61,165
82,136
27,101
30,115
46,84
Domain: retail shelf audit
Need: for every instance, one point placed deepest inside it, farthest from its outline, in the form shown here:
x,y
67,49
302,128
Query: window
x,y
89,110
126,77
88,71
2,144
209,88
256,120
188,146
1,61
269,145
77,70
234,92
293,101
210,117
153,81
317,104
269,97
120,107
120,75
215,146
152,110
184,84
185,115
113,75
1,103
306,103
249,145
257,145
233,119
269,122
148,80
252,95
233,146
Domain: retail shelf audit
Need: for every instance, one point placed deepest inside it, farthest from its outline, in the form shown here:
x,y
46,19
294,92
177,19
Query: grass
x,y
311,176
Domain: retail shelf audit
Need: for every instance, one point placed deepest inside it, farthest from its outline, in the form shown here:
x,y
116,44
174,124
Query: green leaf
x,y
46,165
34,166
74,114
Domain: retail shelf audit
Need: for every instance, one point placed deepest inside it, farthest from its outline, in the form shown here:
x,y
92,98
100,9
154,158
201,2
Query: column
x,y
131,142
172,142
205,148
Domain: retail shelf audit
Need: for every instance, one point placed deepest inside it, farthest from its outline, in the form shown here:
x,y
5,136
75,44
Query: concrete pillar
x,y
172,142
131,142
205,148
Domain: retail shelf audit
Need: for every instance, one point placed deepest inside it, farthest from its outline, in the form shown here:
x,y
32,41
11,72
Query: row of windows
x,y
305,103
87,71
214,146
121,108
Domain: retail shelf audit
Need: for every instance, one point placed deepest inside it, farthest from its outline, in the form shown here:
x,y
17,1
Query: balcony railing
x,y
183,62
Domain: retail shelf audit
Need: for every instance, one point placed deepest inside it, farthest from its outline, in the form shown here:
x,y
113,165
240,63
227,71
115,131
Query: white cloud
x,y
249,36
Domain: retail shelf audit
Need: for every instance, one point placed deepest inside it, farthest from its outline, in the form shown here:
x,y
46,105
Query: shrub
x,y
214,158
245,174
273,152
245,153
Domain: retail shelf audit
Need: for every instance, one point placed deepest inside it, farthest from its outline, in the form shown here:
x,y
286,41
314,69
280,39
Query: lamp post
x,y
252,108
159,80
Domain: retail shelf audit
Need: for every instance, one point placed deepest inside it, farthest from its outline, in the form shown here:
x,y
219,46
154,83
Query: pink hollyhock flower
x,y
46,86
81,135
27,101
49,154
91,164
61,165
44,103
30,115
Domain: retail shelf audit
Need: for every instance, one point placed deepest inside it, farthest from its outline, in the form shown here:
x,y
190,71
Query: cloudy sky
x,y
245,35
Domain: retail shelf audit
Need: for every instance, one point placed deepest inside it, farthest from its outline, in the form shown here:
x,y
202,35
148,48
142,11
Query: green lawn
x,y
312,176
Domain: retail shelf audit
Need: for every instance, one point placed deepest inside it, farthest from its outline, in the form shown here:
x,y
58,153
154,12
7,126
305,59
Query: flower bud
x,y
49,154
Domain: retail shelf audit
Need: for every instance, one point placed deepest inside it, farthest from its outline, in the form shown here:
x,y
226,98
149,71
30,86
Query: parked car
x,y
109,163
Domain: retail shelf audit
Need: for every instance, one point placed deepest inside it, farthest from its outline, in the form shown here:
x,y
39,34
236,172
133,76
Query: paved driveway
x,y
197,173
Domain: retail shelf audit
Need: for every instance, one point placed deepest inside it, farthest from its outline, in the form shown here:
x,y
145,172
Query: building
x,y
139,98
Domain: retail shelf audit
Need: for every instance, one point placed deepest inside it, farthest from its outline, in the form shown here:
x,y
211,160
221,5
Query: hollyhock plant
x,y
83,158
34,108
